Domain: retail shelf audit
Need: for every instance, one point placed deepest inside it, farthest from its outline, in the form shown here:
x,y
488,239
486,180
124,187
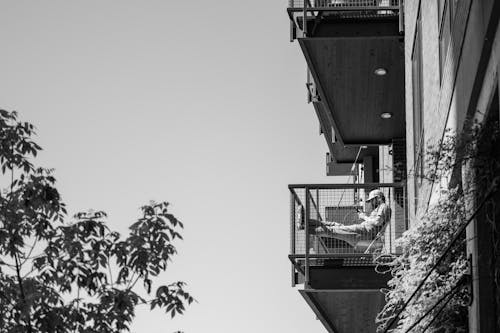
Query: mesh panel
x,y
341,221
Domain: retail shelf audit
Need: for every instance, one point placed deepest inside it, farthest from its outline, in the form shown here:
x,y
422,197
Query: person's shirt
x,y
377,218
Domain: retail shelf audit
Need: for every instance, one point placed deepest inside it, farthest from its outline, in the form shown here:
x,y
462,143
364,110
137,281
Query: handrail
x,y
342,186
306,10
345,5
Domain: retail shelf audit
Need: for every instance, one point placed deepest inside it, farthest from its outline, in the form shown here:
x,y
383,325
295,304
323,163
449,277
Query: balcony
x,y
341,284
354,53
341,160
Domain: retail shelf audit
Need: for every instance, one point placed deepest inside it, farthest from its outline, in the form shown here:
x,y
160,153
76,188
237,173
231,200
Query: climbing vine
x,y
440,304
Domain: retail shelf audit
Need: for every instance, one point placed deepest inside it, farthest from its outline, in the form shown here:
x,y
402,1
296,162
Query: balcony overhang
x,y
344,311
352,95
333,168
351,154
340,157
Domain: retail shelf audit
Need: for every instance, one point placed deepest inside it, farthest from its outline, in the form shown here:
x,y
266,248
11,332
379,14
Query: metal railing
x,y
311,9
325,223
344,4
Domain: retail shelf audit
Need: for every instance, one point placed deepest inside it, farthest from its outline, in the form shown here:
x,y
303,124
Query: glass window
x,y
418,115
447,12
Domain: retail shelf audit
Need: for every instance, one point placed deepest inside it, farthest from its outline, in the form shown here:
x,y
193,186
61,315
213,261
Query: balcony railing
x,y
316,240
312,9
335,5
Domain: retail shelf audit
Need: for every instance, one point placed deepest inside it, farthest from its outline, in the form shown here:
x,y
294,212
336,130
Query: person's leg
x,y
356,228
313,225
340,233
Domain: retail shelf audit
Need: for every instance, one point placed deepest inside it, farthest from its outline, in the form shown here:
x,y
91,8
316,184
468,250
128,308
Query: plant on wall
x,y
429,290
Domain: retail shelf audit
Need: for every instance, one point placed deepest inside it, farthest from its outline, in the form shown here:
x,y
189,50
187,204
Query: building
x,y
386,79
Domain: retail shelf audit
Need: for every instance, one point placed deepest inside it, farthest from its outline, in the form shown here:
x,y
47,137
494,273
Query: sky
x,y
201,104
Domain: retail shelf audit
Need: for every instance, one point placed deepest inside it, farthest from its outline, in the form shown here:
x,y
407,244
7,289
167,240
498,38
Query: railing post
x,y
318,216
306,226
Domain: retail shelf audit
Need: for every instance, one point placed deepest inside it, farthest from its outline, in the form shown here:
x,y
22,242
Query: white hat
x,y
375,193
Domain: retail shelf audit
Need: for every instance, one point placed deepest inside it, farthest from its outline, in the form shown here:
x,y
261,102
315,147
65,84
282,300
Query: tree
x,y
74,276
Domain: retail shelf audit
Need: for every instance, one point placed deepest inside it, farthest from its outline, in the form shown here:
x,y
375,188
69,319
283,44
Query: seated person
x,y
368,229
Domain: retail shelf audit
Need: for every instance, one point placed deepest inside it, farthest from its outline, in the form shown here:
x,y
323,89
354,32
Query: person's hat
x,y
375,193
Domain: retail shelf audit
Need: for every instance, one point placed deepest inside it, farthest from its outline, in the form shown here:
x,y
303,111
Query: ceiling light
x,y
386,115
380,71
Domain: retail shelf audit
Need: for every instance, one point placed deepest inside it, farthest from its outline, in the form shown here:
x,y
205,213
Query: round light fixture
x,y
380,71
386,115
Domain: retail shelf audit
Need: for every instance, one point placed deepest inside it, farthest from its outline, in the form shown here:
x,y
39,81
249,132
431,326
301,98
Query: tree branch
x,y
23,295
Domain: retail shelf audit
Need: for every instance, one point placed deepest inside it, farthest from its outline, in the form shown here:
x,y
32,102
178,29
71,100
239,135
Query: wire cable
x,y
448,295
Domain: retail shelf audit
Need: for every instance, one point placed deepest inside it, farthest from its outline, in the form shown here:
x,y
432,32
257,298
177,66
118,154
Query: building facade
x,y
452,58
386,80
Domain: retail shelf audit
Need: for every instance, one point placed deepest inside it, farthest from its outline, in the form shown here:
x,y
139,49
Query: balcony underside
x,y
352,96
341,153
342,156
345,311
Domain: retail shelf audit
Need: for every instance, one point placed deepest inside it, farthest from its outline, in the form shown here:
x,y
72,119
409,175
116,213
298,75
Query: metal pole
x,y
318,216
393,217
292,231
306,280
292,227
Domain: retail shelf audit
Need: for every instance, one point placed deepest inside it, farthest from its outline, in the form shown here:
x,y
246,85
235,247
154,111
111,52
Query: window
x,y
447,11
418,98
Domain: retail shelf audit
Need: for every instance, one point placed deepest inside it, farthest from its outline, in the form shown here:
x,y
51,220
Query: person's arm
x,y
376,218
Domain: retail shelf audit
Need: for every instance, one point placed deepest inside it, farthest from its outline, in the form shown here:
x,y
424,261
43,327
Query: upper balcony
x,y
342,161
355,56
338,270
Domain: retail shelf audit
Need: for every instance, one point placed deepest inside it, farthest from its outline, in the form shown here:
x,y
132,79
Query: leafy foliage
x,y
423,244
57,276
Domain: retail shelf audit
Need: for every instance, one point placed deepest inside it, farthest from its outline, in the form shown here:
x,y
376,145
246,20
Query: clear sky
x,y
199,103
